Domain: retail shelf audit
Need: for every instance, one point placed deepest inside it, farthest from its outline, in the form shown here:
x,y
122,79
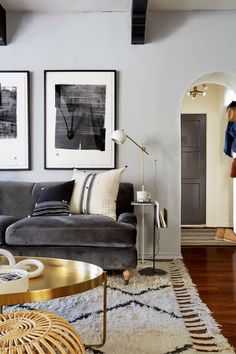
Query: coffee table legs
x,y
104,325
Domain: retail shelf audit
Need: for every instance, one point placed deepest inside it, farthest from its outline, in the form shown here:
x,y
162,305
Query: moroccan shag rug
x,y
151,315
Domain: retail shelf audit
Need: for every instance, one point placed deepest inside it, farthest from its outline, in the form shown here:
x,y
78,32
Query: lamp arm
x,y
142,147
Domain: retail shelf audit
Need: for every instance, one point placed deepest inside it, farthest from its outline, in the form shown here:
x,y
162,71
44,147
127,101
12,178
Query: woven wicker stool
x,y
37,332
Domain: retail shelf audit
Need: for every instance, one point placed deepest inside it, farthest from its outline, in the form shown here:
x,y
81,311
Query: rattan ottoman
x,y
37,332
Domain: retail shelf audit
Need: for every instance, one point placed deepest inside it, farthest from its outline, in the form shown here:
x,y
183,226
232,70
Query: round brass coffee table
x,y
60,278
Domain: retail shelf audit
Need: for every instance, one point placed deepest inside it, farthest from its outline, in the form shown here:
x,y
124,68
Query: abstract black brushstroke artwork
x,y
79,119
8,97
14,120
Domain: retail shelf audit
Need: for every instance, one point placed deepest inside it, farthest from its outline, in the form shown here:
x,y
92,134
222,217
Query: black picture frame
x,y
80,116
15,120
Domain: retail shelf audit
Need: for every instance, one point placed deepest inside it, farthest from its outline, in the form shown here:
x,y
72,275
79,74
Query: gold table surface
x,y
61,277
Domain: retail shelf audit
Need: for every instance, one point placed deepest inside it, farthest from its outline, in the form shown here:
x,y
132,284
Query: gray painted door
x,y
193,169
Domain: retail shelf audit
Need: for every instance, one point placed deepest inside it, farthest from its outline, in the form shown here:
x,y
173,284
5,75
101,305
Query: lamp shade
x,y
118,136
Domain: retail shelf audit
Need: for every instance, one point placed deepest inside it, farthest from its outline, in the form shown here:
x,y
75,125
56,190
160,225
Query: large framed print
x,y
14,120
79,119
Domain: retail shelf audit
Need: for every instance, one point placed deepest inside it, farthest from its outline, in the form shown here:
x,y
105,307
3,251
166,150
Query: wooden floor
x,y
213,270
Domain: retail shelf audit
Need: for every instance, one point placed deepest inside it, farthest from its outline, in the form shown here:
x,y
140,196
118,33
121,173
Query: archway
x,y
218,185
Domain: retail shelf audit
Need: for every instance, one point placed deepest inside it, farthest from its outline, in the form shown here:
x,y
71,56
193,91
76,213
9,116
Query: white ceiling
x,y
114,5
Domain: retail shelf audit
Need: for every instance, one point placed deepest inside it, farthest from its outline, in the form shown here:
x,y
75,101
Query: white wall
x,y
152,80
219,192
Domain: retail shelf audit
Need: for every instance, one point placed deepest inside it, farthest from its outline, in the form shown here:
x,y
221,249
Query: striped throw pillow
x,y
95,193
51,208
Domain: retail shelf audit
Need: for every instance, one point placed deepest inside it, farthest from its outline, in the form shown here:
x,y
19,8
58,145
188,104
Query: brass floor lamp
x,y
119,137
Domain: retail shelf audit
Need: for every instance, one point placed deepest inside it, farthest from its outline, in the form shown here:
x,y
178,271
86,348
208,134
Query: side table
x,y
149,270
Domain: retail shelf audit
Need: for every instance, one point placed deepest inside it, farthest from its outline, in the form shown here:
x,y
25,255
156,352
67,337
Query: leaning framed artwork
x,y
79,119
14,120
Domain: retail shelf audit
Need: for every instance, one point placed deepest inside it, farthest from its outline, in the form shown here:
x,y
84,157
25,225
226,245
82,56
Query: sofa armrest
x,y
129,218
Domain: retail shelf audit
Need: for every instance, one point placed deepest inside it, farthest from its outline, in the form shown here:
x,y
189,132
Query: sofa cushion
x,y
74,230
54,200
5,221
61,192
96,193
16,198
38,186
51,208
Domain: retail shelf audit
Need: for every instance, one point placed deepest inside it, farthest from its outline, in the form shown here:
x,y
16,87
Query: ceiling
x,y
114,5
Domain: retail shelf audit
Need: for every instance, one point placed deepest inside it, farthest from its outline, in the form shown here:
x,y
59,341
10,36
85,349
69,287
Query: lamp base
x,y
150,271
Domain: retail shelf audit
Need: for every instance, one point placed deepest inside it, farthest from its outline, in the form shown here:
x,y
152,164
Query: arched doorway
x,y
206,188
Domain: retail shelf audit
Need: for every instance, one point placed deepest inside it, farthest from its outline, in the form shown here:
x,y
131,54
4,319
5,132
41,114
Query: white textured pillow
x,y
95,193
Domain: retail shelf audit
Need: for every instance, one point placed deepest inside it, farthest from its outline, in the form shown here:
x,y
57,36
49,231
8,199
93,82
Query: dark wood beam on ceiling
x,y
139,10
3,36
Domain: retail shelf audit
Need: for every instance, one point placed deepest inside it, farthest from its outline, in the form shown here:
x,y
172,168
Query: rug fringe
x,y
203,329
196,329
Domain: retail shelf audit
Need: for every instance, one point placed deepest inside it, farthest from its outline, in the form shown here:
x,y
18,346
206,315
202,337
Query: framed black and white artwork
x,y
14,120
79,119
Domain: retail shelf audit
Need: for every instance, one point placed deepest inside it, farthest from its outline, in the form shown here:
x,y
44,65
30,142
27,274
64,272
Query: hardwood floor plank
x,y
213,270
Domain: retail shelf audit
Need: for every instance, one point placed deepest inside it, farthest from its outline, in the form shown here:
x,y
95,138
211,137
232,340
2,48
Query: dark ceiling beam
x,y
139,10
3,36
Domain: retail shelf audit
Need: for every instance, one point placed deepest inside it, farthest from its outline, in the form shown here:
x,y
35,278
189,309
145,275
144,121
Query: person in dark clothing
x,y
230,133
230,139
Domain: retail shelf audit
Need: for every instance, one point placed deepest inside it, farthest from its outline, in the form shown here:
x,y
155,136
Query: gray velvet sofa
x,y
96,239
